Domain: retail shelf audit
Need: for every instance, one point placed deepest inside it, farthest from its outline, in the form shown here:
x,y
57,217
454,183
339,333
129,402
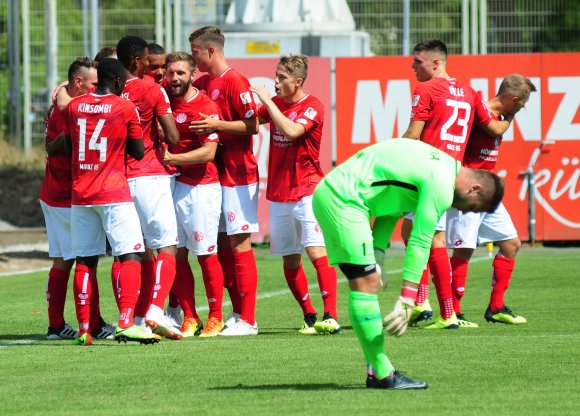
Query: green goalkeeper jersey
x,y
395,177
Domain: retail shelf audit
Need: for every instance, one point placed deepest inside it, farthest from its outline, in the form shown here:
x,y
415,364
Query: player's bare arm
x,y
415,129
291,129
62,97
498,127
135,148
238,127
167,123
203,154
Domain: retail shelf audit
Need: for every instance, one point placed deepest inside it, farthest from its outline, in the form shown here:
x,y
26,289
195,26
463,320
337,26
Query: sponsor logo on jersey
x,y
301,121
231,216
198,236
215,94
249,114
246,97
310,113
415,100
292,115
181,117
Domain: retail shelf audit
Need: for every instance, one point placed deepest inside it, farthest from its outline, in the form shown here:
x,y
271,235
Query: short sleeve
x,y
422,103
482,115
134,130
263,113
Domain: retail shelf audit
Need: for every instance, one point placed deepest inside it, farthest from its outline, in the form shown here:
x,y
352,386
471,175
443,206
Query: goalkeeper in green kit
x,y
386,181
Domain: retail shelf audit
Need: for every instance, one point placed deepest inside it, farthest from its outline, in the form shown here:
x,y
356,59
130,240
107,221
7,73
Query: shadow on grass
x,y
306,387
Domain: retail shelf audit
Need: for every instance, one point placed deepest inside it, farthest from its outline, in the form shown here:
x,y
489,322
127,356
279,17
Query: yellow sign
x,y
254,47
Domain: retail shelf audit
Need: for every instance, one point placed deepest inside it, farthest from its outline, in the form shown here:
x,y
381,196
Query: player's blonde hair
x,y
180,57
516,85
295,65
209,35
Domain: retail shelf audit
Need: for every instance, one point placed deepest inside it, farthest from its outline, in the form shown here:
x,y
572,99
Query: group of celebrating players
x,y
155,162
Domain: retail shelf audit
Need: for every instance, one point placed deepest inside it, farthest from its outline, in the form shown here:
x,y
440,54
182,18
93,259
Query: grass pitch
x,y
496,369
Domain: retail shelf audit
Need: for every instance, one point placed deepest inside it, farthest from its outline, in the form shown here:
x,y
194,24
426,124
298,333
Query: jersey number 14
x,y
95,143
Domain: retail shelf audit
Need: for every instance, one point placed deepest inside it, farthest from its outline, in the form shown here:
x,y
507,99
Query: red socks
x,y
164,277
459,269
56,287
327,281
184,287
146,289
502,273
82,286
115,269
247,281
228,263
423,292
128,291
213,279
441,269
298,284
95,320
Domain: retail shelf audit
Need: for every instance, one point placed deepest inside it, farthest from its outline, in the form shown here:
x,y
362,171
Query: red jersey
x,y
185,112
449,109
57,185
151,100
293,166
99,126
482,149
231,92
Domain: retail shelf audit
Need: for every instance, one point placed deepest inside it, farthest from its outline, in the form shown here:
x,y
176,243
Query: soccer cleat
x,y
160,325
64,332
308,325
190,327
105,331
504,316
328,325
85,339
212,327
174,316
232,319
396,381
239,329
441,323
464,323
421,312
135,333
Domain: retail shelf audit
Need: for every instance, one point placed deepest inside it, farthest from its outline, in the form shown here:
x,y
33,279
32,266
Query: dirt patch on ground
x,y
19,195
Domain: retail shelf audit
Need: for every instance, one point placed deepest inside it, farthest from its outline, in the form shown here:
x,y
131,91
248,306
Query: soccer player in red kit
x,y
465,230
443,112
238,172
101,128
197,197
55,201
150,184
296,121
155,71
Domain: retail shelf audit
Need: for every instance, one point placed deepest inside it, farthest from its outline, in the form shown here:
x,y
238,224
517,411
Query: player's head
x,y
477,190
112,76
206,43
429,59
514,92
133,53
291,73
156,67
106,52
180,69
82,76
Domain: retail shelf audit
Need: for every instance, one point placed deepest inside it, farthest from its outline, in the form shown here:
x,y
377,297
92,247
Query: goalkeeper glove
x,y
396,322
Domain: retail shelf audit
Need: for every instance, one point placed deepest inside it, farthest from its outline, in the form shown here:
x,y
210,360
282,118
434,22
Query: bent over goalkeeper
x,y
386,181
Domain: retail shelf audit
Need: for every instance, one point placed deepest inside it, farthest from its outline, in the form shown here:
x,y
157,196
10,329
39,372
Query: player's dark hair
x,y
296,65
75,67
109,71
180,56
431,45
129,48
105,52
493,188
155,49
208,35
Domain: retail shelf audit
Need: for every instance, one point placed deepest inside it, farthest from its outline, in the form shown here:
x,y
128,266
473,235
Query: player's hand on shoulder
x,y
261,91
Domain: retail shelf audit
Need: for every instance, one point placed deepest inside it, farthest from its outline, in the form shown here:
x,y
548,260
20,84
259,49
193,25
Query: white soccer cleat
x,y
174,316
239,329
232,319
160,325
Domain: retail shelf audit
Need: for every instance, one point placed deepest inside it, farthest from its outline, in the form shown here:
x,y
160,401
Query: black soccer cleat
x,y
397,381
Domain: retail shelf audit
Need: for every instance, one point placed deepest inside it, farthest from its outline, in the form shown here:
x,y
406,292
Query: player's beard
x,y
181,90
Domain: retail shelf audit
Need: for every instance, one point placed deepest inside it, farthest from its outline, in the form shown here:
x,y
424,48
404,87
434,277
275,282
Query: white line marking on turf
x,y
283,292
13,343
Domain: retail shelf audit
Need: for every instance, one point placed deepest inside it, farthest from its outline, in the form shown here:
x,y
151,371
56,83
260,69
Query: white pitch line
x,y
17,342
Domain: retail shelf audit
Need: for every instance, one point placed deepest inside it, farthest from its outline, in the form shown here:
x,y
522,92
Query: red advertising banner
x,y
261,72
373,103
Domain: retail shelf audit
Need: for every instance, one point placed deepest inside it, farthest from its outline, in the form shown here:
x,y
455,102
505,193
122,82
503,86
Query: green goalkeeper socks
x,y
367,322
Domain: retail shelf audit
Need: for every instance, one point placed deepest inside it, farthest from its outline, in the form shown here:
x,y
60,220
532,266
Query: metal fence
x,y
467,26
